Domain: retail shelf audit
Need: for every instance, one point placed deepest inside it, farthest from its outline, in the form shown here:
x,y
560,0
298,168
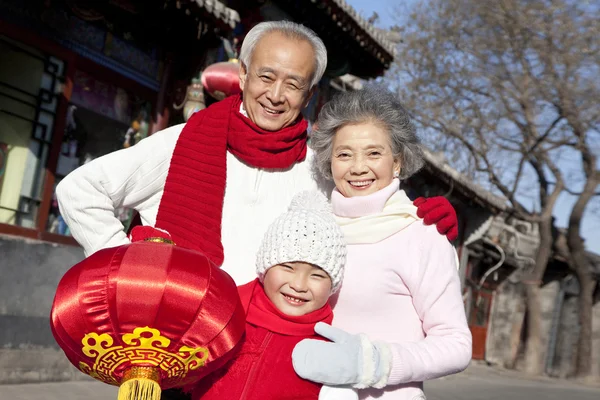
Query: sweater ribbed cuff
x,y
398,373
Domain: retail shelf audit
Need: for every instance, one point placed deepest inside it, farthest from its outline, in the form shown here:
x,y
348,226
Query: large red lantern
x,y
222,79
147,316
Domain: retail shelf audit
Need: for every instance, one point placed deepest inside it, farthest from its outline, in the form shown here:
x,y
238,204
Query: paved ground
x,y
478,383
484,383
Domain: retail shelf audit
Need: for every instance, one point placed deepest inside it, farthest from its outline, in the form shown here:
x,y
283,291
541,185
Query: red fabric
x,y
192,203
265,149
177,291
263,369
438,211
261,312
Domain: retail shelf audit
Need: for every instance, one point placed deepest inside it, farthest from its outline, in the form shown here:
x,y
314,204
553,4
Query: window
x,y
30,84
104,114
101,118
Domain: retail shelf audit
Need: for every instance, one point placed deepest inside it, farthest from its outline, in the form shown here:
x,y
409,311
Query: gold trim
x,y
159,240
151,373
144,347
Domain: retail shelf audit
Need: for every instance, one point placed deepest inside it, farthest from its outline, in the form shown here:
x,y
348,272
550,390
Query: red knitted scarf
x,y
261,312
192,202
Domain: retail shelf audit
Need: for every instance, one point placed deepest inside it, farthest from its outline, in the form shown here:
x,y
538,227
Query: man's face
x,y
276,85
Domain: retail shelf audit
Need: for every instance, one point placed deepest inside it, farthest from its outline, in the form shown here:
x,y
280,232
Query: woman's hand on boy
x,y
347,360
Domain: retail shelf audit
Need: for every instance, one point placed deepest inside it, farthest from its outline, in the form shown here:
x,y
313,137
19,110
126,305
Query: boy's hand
x,y
346,360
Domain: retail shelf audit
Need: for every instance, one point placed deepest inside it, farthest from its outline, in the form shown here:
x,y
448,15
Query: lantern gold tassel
x,y
140,383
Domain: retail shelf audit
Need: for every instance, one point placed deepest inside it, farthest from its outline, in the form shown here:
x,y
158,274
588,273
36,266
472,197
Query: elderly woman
x,y
399,318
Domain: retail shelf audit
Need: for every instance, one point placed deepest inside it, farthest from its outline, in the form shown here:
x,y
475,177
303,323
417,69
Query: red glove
x,y
141,233
438,211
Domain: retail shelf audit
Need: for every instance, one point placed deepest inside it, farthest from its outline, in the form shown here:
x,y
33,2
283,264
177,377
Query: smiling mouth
x,y
294,300
271,111
361,184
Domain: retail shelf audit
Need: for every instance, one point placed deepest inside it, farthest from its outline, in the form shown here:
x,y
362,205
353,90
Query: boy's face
x,y
297,288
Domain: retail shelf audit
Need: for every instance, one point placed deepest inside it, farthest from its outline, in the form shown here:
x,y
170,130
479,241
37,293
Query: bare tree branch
x,y
575,193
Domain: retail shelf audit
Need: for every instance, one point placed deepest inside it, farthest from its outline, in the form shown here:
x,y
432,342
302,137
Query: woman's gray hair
x,y
291,30
372,104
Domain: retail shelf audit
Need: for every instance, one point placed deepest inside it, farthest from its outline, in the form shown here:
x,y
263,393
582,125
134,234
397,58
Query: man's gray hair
x,y
291,30
375,105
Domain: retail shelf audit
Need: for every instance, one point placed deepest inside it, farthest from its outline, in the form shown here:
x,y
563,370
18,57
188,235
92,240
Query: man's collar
x,y
243,110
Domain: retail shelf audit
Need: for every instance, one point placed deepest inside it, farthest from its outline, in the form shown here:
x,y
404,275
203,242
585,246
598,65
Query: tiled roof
x,y
373,32
220,11
490,198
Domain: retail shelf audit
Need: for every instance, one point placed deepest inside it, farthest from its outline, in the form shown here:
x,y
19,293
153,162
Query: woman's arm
x,y
435,288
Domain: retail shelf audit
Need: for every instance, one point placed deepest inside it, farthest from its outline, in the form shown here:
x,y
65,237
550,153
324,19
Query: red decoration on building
x,y
147,316
222,79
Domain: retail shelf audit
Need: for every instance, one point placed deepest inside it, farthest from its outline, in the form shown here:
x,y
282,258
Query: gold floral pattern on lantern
x,y
145,346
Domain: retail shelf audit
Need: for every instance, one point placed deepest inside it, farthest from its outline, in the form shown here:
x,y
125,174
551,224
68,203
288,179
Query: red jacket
x,y
263,369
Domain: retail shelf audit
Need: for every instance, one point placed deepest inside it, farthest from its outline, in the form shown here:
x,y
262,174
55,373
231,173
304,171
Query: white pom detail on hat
x,y
308,233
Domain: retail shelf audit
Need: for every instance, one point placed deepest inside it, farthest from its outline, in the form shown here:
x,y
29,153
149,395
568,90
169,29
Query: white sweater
x,y
135,178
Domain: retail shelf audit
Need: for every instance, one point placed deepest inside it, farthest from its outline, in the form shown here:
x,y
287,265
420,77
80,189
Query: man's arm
x,y
132,178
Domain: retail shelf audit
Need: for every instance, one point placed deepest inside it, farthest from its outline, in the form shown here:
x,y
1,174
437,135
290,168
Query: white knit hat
x,y
308,233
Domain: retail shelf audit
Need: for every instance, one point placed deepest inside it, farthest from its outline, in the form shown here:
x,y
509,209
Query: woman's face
x,y
362,161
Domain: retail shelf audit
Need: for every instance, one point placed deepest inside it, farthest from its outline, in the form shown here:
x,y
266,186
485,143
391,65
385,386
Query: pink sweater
x,y
404,290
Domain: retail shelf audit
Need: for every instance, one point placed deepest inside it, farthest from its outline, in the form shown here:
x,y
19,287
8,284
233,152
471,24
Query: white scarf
x,y
398,213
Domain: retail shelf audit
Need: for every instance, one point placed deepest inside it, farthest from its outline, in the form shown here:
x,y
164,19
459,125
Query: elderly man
x,y
219,180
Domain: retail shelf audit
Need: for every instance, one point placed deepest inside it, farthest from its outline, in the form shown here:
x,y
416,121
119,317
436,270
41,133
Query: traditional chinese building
x,y
495,248
80,79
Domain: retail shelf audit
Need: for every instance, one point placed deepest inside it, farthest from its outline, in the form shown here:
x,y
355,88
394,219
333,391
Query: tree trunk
x,y
587,284
535,349
515,334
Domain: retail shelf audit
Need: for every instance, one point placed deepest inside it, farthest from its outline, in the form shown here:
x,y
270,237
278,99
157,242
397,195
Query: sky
x,y
385,9
388,16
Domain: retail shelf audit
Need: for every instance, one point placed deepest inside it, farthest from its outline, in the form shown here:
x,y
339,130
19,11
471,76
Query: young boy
x,y
300,264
